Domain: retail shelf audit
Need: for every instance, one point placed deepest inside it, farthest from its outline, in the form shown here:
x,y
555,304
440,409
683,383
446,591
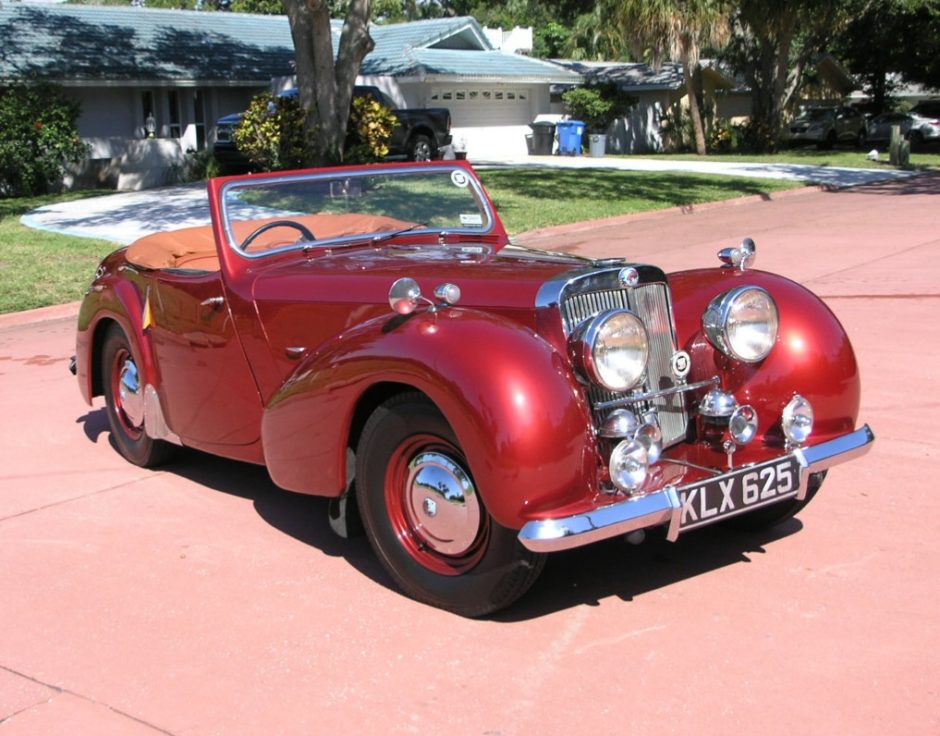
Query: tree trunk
x,y
325,87
695,112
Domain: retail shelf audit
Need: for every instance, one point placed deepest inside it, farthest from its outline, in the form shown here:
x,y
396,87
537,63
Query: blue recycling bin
x,y
569,137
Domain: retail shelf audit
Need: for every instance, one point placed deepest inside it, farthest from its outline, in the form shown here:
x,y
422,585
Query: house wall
x,y
113,120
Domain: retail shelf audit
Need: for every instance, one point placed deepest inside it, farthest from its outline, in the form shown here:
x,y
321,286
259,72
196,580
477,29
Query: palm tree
x,y
676,29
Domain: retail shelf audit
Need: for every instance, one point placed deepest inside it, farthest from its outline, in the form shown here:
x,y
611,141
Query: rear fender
x,y
509,396
121,302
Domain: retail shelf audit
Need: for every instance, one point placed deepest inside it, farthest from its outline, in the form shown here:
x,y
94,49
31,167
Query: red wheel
x,y
433,506
426,519
124,398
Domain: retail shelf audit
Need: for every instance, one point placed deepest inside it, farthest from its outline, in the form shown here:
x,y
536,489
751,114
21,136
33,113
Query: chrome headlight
x,y
612,349
742,323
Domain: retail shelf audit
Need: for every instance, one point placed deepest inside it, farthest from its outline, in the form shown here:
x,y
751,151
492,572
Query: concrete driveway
x,y
202,600
125,217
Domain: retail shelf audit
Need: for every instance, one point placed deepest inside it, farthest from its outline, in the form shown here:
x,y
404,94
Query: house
x,y
151,82
661,90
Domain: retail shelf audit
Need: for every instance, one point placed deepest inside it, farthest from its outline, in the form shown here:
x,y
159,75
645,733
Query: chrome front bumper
x,y
665,507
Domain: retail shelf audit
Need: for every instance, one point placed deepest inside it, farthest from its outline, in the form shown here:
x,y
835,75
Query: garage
x,y
491,120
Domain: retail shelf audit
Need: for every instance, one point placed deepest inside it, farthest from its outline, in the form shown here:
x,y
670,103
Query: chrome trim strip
x,y
594,277
633,398
663,506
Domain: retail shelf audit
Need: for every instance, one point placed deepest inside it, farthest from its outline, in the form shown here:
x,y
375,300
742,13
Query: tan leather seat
x,y
194,247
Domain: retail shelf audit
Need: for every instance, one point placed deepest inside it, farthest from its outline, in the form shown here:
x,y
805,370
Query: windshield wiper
x,y
396,233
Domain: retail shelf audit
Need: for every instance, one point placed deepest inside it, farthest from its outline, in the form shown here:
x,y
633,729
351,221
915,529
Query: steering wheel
x,y
307,235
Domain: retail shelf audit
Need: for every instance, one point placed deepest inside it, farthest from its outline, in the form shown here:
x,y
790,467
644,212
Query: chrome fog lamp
x,y
628,465
797,420
717,404
743,424
619,423
742,323
651,437
612,349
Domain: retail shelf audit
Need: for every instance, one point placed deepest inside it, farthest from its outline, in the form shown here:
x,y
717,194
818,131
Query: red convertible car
x,y
370,334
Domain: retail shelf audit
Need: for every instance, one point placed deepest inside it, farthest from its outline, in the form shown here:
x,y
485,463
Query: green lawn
x,y
845,157
39,268
527,199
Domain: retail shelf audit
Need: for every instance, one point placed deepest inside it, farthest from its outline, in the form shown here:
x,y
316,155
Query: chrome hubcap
x,y
442,503
132,398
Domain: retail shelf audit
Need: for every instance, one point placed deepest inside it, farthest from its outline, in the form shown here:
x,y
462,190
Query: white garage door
x,y
491,121
472,107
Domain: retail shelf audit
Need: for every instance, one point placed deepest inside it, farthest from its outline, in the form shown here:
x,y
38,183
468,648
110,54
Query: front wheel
x,y
124,399
424,516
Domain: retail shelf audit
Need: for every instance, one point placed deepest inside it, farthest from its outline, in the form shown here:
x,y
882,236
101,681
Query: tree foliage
x,y
675,29
773,44
869,46
40,138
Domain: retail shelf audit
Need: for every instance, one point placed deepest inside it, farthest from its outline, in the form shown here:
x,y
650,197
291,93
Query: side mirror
x,y
404,295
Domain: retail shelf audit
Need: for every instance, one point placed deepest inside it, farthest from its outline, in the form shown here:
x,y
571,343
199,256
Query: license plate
x,y
738,492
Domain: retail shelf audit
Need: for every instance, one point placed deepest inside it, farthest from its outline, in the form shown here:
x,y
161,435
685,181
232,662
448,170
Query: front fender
x,y
510,398
812,356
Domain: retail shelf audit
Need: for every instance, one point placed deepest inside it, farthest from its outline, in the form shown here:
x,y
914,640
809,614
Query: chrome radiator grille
x,y
650,302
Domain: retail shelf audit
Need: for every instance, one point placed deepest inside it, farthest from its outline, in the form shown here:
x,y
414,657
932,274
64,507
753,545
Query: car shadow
x,y
616,569
578,577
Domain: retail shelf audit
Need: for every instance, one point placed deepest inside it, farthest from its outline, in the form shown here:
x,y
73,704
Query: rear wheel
x,y
420,148
425,518
124,399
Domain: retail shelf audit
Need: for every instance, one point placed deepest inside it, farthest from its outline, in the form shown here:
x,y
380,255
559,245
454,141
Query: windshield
x,y
264,215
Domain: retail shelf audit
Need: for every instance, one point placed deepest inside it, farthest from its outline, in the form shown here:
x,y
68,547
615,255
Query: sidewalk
x,y
124,217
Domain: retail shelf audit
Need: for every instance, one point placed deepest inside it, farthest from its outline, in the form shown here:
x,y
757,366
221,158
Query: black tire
x,y
917,140
126,422
420,148
771,516
473,571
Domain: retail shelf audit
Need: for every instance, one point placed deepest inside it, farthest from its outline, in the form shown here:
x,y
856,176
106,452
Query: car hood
x,y
506,279
233,119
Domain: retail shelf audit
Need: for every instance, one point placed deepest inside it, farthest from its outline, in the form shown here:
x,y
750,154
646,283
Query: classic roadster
x,y
371,335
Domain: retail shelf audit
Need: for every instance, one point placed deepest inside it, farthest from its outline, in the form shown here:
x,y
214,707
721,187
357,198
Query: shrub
x,y
39,139
597,105
755,136
273,133
369,131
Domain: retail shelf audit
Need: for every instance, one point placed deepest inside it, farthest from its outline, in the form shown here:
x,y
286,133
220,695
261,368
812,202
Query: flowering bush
x,y
369,131
273,133
39,139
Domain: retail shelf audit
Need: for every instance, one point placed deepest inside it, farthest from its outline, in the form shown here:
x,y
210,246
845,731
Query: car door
x,y
211,399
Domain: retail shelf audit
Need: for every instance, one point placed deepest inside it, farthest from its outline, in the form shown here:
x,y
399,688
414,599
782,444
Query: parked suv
x,y
419,136
826,126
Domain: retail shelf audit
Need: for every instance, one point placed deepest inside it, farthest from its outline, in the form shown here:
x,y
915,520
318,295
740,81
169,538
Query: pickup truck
x,y
420,135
